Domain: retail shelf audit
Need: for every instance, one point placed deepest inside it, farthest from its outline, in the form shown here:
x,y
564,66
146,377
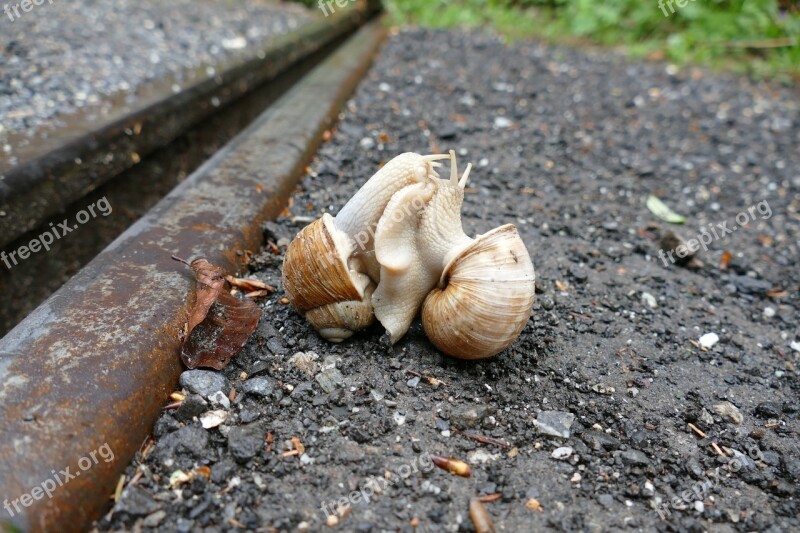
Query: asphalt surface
x,y
587,416
61,57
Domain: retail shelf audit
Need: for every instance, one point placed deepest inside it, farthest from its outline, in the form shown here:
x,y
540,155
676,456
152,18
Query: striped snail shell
x,y
322,286
484,298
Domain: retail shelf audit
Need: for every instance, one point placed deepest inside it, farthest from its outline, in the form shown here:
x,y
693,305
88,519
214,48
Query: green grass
x,y
758,37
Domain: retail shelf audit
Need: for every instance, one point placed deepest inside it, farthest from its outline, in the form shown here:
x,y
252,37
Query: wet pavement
x,y
642,395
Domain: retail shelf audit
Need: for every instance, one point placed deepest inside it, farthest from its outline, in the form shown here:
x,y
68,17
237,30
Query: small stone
x,y
136,501
244,442
204,382
769,312
576,478
598,440
212,419
650,300
480,456
502,122
222,471
218,398
794,345
248,415
236,43
259,386
748,285
555,423
729,411
329,379
606,500
562,453
468,416
377,395
768,410
699,507
367,143
192,406
578,273
708,340
188,439
413,382
635,457
429,488
164,426
447,132
306,362
154,519
633,392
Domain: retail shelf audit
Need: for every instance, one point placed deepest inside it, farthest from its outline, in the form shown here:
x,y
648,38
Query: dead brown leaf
x,y
249,285
219,324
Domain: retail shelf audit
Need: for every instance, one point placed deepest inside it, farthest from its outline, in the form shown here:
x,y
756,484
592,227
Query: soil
x,y
609,412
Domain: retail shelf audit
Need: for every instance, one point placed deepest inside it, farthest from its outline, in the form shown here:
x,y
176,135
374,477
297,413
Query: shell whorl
x,y
315,269
484,298
338,321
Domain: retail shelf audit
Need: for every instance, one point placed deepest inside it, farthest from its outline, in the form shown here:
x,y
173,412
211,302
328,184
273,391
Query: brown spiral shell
x,y
484,299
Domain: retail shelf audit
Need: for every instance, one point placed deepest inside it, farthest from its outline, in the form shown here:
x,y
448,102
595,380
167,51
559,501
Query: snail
x,y
329,269
476,294
398,247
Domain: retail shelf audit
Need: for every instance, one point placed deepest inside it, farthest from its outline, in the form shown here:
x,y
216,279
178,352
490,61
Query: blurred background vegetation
x,y
759,37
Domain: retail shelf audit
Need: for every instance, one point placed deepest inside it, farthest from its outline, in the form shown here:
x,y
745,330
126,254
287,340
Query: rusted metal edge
x,y
94,364
64,165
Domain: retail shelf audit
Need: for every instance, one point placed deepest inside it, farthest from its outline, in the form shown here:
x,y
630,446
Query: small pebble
x,y
204,382
562,453
220,398
555,423
650,300
729,411
708,340
502,122
212,419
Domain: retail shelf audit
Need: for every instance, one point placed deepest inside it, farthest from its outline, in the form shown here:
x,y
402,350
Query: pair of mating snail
x,y
397,247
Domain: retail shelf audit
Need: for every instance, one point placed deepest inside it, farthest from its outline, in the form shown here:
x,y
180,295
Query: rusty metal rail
x,y
94,364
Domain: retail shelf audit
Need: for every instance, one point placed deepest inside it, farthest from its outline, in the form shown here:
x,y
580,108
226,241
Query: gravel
x,y
555,423
204,382
260,386
588,137
62,57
